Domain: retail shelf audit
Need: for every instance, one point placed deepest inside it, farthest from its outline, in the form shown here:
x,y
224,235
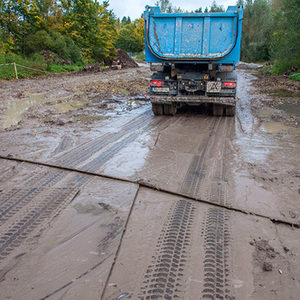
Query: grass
x,y
7,72
64,68
295,76
283,66
36,62
283,93
140,56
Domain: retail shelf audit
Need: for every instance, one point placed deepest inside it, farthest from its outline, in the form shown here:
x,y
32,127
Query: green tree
x,y
165,6
125,21
54,41
139,30
92,28
216,8
285,45
129,40
257,31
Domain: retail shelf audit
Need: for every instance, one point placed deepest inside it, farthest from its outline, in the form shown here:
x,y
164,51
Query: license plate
x,y
160,89
213,87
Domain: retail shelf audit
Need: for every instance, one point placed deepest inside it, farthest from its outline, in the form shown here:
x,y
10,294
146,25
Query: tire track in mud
x,y
164,277
52,201
219,182
104,157
79,154
216,236
196,170
65,143
15,199
216,228
22,208
216,252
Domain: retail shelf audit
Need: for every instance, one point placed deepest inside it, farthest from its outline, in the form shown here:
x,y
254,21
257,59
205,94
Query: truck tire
x,y
170,109
158,109
230,111
218,110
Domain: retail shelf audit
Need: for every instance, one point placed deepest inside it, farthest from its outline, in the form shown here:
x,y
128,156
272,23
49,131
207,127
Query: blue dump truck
x,y
193,57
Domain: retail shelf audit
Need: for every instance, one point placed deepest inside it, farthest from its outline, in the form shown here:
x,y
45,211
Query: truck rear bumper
x,y
193,100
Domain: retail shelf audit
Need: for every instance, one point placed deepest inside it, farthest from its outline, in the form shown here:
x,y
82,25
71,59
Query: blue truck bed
x,y
193,37
193,57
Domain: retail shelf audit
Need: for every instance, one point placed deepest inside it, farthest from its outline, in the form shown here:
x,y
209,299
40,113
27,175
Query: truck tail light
x,y
228,85
156,83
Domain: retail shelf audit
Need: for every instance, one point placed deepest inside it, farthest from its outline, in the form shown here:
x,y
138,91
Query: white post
x,y
16,72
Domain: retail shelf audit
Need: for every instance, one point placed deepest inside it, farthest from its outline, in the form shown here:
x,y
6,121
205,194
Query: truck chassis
x,y
186,84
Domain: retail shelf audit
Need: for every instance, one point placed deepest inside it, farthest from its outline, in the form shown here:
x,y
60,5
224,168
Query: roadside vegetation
x,y
62,35
271,33
65,35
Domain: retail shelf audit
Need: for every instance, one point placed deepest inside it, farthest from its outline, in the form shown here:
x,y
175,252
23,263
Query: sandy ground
x,y
132,206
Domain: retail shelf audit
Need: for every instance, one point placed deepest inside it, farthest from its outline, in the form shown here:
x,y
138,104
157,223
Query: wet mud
x,y
278,95
71,235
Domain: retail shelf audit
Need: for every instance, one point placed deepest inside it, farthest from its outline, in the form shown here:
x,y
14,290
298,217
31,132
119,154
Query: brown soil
x,y
125,60
195,206
53,58
278,94
84,97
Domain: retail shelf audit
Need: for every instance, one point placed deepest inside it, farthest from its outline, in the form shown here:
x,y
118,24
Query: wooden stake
x,y
16,72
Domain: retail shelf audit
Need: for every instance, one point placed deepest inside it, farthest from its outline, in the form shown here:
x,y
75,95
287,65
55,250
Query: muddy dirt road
x,y
99,199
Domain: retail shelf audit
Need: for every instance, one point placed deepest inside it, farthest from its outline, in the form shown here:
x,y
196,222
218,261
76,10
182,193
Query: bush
x,y
257,31
64,68
140,56
295,76
285,46
62,45
285,65
35,61
128,40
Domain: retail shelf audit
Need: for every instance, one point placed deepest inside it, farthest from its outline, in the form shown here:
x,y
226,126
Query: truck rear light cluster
x,y
228,85
156,83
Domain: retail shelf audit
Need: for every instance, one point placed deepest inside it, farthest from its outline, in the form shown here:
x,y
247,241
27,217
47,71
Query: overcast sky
x,y
134,8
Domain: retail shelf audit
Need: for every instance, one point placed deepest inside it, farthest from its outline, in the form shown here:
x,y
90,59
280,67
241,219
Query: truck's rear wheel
x,y
158,109
218,110
230,111
170,109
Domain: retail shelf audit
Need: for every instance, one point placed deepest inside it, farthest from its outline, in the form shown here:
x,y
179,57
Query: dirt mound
x,y
125,60
53,58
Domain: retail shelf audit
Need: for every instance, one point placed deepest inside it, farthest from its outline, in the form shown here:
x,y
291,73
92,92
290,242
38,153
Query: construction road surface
x,y
128,205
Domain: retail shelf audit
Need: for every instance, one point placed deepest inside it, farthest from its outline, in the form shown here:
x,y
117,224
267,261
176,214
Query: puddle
x,y
88,119
16,108
284,93
264,114
131,159
274,127
290,108
66,107
88,208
